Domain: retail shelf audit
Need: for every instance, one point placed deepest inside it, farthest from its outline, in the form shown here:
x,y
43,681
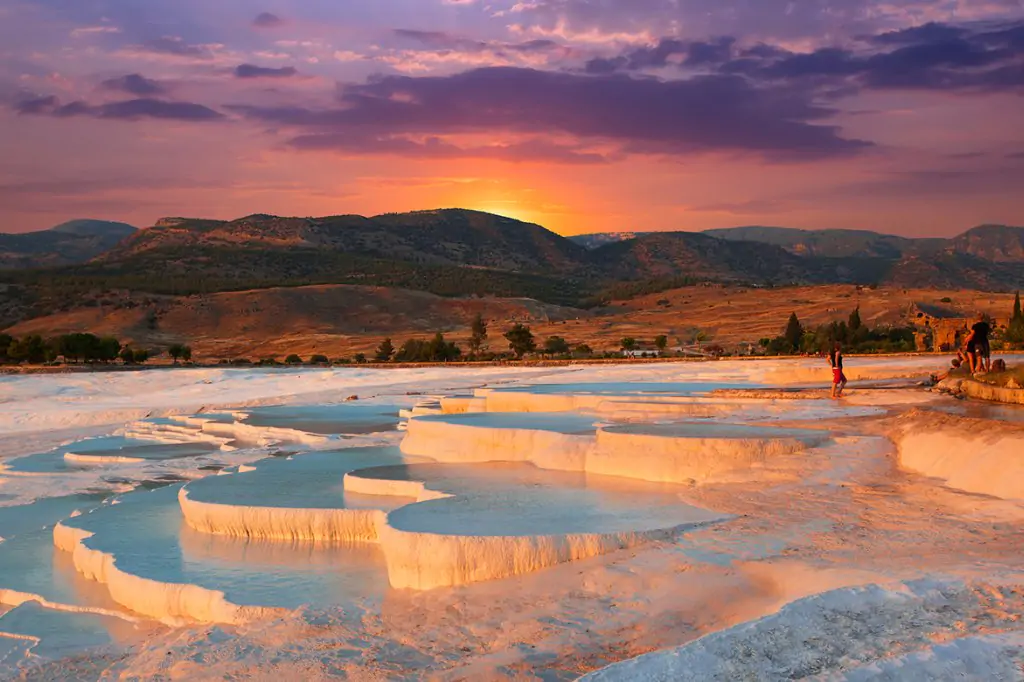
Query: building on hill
x,y
642,351
943,329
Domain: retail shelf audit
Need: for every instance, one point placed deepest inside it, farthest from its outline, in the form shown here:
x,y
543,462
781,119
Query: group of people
x,y
975,355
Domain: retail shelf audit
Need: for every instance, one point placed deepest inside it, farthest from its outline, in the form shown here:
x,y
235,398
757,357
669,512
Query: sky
x,y
903,116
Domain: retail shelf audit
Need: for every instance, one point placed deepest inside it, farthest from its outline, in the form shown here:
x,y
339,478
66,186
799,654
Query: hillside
x,y
444,237
457,253
334,319
832,243
339,321
997,243
76,241
659,254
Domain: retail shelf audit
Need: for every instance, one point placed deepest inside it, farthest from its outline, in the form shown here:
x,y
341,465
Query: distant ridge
x,y
464,253
76,241
998,243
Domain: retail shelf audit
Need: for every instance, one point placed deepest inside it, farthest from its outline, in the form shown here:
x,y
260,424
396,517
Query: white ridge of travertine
x,y
987,460
222,434
329,526
461,404
354,482
415,560
668,459
170,603
100,459
172,433
424,561
14,598
447,441
650,457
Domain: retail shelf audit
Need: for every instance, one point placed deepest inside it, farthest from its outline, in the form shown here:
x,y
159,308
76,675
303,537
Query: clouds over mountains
x,y
541,94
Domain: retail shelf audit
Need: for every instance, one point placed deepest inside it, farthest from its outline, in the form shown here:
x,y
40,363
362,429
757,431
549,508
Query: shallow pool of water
x,y
304,481
326,419
148,537
509,499
557,422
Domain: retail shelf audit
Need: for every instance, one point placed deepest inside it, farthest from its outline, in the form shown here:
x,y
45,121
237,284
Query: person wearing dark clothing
x,y
835,358
978,348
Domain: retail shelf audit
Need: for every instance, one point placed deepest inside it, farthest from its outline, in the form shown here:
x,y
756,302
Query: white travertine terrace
x,y
968,454
100,459
329,526
169,603
675,453
425,561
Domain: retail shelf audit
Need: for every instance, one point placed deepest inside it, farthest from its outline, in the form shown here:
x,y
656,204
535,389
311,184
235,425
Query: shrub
x,y
293,359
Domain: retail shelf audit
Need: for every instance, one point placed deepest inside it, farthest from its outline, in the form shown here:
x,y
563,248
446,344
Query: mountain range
x,y
455,252
999,243
75,241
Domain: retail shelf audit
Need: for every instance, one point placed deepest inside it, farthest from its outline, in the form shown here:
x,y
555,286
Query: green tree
x,y
385,351
583,351
293,359
127,355
5,343
140,356
439,350
628,343
520,340
359,358
556,345
109,349
794,333
478,334
176,351
31,349
186,353
854,323
318,359
661,341
1015,330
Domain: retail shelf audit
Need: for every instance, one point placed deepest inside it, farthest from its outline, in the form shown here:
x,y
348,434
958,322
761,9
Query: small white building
x,y
642,352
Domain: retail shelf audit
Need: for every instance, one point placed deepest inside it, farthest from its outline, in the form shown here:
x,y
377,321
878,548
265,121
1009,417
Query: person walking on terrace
x,y
835,358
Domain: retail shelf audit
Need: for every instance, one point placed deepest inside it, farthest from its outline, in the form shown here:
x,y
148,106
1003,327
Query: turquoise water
x,y
626,388
148,537
716,430
326,419
106,446
558,422
308,481
507,499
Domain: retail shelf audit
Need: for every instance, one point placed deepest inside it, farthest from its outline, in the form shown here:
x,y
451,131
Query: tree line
x,y
79,348
853,334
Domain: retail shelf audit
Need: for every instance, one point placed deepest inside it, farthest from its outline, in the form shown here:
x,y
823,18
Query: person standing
x,y
979,352
835,359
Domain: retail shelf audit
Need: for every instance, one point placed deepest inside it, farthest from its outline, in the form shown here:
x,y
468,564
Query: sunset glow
x,y
582,116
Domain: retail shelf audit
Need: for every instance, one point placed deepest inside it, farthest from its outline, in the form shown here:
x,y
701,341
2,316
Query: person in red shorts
x,y
835,358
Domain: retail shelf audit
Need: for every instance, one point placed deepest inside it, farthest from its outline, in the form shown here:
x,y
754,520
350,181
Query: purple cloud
x,y
253,71
436,148
267,20
709,113
134,84
175,47
127,110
